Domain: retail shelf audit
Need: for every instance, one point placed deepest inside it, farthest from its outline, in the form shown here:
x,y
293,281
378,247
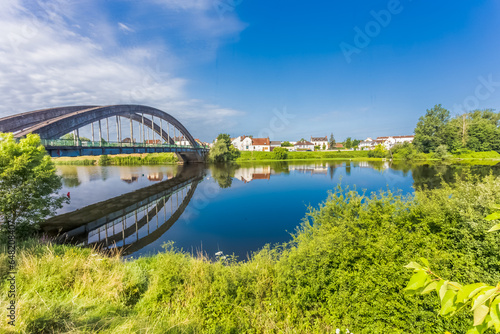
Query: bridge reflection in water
x,y
131,221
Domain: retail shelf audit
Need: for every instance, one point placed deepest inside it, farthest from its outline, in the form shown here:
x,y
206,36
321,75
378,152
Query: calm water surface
x,y
236,209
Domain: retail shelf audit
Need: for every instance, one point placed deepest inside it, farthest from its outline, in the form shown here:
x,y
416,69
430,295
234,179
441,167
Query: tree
x,y
441,152
28,181
331,143
348,143
280,153
355,143
430,131
378,152
71,136
286,144
223,150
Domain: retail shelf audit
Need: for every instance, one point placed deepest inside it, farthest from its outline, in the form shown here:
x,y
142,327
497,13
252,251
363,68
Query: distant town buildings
x,y
387,142
322,142
304,145
248,143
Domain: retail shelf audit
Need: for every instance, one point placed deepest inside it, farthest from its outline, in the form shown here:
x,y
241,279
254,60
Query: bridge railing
x,y
103,143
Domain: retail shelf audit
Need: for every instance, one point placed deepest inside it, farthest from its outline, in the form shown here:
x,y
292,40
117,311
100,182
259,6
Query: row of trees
x,y
477,130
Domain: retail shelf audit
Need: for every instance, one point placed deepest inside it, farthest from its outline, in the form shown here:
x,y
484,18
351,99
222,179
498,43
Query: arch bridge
x,y
59,129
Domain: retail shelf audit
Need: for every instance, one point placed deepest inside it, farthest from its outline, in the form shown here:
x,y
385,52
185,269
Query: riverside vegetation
x,y
343,268
121,160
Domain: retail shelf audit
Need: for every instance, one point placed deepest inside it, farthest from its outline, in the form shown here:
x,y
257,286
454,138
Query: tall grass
x,y
121,160
343,269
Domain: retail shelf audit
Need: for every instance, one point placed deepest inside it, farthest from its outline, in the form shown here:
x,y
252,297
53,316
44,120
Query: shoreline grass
x,y
120,159
342,269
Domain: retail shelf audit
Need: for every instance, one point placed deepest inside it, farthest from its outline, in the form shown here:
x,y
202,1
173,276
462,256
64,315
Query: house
x,y
387,141
181,141
322,142
242,143
247,143
366,144
253,173
261,144
304,145
274,144
339,145
156,141
128,140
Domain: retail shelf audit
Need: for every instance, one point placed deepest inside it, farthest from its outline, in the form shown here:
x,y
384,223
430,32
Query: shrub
x,y
280,153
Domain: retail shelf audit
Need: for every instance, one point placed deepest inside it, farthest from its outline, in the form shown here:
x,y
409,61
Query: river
x,y
236,209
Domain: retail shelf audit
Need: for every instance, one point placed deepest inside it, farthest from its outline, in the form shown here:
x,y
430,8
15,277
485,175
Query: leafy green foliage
x,y
280,153
28,181
312,155
223,150
430,130
348,143
405,151
343,269
378,152
442,153
104,160
286,144
477,131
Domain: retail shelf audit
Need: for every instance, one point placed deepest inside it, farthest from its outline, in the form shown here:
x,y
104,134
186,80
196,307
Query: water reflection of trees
x,y
431,176
69,176
223,173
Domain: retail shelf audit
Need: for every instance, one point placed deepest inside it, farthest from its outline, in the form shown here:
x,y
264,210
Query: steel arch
x,y
56,122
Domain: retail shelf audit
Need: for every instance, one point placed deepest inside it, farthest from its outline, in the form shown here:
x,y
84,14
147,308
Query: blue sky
x,y
255,67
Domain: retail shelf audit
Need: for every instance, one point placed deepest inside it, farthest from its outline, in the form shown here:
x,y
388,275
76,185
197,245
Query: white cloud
x,y
46,61
124,27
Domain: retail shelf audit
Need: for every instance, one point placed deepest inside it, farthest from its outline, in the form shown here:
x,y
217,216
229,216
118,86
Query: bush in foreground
x,y
343,269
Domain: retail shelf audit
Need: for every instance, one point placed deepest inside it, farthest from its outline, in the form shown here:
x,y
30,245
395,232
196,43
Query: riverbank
x,y
343,269
120,159
362,155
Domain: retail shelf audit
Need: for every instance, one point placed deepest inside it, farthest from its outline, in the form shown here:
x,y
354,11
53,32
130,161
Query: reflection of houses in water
x,y
129,178
155,176
253,173
319,169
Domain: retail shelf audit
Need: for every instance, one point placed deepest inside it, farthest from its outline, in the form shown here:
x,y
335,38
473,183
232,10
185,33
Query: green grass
x,y
342,269
120,160
478,155
312,155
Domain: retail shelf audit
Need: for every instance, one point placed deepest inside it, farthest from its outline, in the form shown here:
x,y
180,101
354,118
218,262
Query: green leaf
x,y
469,291
425,262
439,285
494,228
493,216
495,313
480,314
442,291
414,265
429,287
417,281
448,304
481,299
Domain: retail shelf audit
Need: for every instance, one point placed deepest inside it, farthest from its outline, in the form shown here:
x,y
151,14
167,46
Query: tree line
x,y
476,130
